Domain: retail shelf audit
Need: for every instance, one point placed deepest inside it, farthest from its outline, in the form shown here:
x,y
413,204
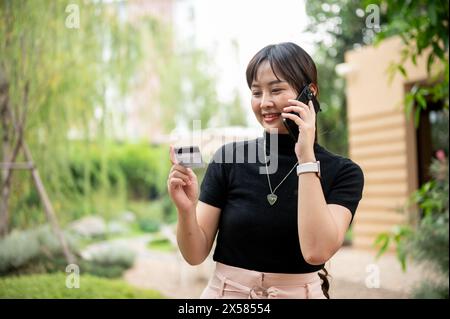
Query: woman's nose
x,y
266,100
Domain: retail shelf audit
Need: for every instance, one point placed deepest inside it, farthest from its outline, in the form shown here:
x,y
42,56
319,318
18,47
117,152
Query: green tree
x,y
71,83
423,28
342,26
55,75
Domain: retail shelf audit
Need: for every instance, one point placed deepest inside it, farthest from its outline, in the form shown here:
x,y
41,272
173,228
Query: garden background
x,y
98,90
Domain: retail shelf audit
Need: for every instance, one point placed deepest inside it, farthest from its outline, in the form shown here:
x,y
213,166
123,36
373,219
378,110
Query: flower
x,y
440,155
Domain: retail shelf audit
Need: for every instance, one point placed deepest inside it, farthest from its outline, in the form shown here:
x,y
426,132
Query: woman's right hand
x,y
182,185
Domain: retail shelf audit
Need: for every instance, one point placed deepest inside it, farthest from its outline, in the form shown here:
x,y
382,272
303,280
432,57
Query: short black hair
x,y
287,60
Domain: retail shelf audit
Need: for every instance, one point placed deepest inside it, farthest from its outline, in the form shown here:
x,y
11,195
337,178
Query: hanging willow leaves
x,y
79,81
68,71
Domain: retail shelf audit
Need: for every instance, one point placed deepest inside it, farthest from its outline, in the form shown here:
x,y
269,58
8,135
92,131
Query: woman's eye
x,y
256,93
276,90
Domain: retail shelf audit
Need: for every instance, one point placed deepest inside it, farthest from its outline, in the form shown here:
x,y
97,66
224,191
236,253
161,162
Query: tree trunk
x,y
5,185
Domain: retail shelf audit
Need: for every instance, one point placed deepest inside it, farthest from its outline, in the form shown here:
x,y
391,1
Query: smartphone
x,y
305,96
189,156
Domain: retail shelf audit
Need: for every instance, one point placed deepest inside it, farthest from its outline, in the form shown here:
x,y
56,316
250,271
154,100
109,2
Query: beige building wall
x,y
381,140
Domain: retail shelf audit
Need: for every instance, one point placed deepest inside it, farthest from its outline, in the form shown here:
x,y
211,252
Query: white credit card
x,y
189,156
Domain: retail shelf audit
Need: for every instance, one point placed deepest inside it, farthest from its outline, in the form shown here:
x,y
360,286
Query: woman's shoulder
x,y
336,162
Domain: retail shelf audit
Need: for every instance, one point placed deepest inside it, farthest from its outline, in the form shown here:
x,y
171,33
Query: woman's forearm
x,y
191,238
317,230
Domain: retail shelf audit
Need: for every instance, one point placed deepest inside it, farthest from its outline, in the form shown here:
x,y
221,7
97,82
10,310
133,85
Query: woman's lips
x,y
270,118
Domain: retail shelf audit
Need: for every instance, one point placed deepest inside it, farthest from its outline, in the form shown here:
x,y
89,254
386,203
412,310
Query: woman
x,y
275,230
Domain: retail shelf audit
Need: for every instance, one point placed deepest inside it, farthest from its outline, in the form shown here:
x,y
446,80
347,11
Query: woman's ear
x,y
314,89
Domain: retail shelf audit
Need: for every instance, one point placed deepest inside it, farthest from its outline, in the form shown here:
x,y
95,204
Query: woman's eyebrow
x,y
270,83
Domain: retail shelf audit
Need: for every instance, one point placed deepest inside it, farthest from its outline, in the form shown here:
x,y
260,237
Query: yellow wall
x,y
381,140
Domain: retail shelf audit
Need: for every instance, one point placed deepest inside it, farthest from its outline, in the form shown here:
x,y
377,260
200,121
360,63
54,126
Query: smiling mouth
x,y
271,117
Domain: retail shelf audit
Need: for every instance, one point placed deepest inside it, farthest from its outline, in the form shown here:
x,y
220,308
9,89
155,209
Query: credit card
x,y
189,156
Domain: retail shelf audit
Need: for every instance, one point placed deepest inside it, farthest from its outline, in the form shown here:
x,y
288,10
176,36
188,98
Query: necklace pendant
x,y
272,198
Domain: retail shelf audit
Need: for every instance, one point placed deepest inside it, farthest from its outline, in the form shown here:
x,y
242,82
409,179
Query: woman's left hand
x,y
306,121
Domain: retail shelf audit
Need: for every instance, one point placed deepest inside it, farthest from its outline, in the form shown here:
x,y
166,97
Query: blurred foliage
x,y
431,290
39,251
67,72
161,243
53,286
342,24
151,215
429,241
79,86
34,250
149,225
135,172
110,261
138,167
423,28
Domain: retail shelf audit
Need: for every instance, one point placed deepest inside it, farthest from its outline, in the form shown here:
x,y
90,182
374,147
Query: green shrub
x,y
170,214
161,243
108,261
100,180
97,175
114,255
52,286
149,215
145,168
38,251
148,225
431,290
17,249
32,250
94,161
429,242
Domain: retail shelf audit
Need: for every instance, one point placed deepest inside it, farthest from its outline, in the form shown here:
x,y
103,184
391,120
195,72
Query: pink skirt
x,y
230,282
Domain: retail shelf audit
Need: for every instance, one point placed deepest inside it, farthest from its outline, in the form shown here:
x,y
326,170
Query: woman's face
x,y
269,97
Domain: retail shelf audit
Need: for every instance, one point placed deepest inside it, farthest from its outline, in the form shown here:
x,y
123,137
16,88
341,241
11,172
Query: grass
x,y
162,244
52,286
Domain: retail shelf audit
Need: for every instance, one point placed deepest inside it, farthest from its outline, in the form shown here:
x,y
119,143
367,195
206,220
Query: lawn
x,y
50,286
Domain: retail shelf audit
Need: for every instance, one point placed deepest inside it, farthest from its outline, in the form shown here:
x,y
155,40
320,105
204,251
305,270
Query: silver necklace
x,y
272,198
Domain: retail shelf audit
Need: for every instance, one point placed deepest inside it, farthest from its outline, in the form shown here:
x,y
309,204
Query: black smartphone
x,y
305,96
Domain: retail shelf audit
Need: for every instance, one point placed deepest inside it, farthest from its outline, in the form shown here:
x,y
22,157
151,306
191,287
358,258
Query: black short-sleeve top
x,y
253,234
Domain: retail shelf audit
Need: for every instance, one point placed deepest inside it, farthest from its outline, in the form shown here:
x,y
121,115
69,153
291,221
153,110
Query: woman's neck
x,y
282,143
